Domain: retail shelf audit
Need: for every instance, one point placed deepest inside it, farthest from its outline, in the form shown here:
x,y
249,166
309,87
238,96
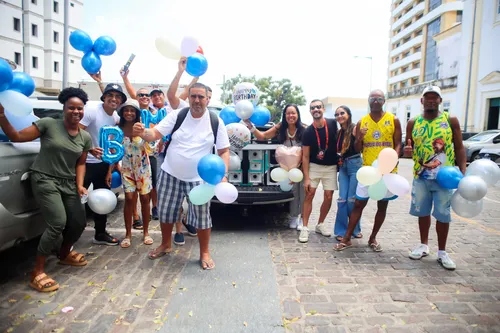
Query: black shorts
x,y
154,170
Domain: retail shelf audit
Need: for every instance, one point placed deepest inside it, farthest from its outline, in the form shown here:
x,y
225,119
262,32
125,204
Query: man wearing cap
x,y
436,140
94,118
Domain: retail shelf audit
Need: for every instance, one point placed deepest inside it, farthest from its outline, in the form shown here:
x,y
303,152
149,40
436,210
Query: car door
x,y
493,143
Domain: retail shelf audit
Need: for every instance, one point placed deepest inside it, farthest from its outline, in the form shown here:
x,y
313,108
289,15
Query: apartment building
x,y
32,36
424,49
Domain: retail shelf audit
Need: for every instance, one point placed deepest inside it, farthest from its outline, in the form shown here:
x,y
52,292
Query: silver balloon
x,y
465,208
102,201
234,161
486,169
244,109
472,188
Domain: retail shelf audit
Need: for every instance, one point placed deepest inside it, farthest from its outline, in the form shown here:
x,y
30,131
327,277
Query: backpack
x,y
214,122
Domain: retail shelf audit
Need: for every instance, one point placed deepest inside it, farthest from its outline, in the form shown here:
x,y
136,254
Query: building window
x,y
34,30
418,49
498,7
433,4
33,2
56,7
408,113
459,15
17,24
404,84
419,33
414,81
446,106
406,40
72,61
394,87
56,66
404,69
418,17
407,53
17,58
431,64
34,62
72,5
416,64
56,37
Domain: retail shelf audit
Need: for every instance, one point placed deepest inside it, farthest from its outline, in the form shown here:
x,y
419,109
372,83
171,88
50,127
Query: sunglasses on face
x,y
316,107
373,99
117,96
341,113
200,97
140,95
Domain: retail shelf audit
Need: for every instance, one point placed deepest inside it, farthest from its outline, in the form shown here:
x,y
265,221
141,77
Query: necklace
x,y
289,135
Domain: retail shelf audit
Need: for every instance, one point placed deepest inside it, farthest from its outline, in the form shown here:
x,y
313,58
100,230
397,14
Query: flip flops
x,y
207,264
155,254
341,246
375,246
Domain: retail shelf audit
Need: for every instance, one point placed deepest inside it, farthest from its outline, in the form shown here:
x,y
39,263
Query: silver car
x,y
486,139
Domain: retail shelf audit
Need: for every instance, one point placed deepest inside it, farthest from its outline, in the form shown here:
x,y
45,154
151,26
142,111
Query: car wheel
x,y
475,156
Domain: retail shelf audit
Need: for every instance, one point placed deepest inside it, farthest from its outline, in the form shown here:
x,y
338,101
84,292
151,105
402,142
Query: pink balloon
x,y
387,160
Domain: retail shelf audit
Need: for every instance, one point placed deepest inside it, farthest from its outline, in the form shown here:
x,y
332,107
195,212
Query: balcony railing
x,y
417,89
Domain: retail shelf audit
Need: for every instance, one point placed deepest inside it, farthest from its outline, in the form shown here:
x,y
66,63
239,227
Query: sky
x,y
313,43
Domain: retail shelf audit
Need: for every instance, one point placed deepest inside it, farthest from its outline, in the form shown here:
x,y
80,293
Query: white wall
x,y
9,48
17,3
7,22
37,9
50,27
448,56
28,38
36,73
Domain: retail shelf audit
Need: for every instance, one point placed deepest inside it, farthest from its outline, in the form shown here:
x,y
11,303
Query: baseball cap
x,y
114,87
434,89
156,90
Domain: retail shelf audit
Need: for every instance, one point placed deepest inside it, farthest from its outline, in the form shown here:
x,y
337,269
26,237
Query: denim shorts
x,y
425,193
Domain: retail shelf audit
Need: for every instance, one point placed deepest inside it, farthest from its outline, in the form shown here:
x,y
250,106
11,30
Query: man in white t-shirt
x,y
94,118
179,175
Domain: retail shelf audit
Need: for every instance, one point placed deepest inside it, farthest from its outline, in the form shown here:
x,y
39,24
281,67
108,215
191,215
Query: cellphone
x,y
129,62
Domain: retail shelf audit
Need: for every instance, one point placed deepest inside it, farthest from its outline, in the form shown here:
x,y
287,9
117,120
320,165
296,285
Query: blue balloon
x,y
228,115
91,62
116,179
104,45
115,143
19,123
260,116
196,65
5,75
448,177
211,169
81,41
23,83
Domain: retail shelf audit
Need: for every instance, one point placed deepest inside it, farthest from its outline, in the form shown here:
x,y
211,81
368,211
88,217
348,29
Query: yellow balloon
x,y
167,48
368,175
295,175
279,174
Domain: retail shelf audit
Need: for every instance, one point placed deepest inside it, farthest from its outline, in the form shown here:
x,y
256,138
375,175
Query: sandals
x,y
207,264
148,240
375,246
360,235
341,246
74,259
339,238
41,281
137,224
155,254
125,243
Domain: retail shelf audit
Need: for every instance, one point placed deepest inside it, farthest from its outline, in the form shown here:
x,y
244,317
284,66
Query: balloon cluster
x,y
289,159
91,60
212,169
196,65
15,88
467,200
379,179
245,99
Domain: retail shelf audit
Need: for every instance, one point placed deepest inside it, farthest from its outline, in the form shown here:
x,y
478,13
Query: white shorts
x,y
326,174
362,193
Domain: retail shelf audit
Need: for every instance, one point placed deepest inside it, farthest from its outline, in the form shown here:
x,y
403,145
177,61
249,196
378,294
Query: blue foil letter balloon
x,y
148,118
115,143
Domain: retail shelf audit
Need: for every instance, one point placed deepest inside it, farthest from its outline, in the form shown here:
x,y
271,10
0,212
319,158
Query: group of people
x,y
162,173
333,150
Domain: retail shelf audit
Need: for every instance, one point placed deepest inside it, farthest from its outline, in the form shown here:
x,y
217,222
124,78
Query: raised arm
x,y
28,134
128,86
185,93
173,100
270,133
97,78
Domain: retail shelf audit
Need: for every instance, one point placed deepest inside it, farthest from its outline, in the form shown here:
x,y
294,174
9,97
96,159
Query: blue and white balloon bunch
x,y
103,46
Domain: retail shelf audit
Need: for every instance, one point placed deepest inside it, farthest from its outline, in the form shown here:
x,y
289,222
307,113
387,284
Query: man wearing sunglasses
x,y
193,139
374,132
319,164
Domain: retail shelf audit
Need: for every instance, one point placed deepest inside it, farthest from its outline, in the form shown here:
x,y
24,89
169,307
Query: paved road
x,y
266,281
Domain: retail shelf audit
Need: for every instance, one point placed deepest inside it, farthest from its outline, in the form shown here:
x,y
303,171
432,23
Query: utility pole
x,y
65,45
470,68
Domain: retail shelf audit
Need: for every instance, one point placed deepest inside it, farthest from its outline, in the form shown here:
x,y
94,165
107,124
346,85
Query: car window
x,y
43,113
481,137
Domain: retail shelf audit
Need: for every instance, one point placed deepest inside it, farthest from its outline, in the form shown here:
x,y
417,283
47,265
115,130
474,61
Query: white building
x,y
478,91
425,41
32,36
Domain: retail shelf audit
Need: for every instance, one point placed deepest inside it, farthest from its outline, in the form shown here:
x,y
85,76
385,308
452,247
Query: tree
x,y
274,94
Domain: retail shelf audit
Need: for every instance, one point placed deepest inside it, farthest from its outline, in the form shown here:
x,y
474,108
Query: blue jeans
x,y
347,195
427,193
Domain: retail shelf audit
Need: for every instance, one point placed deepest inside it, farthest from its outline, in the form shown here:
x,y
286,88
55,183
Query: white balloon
x,y
234,162
368,175
226,192
472,188
465,208
285,186
244,109
189,45
486,169
279,174
295,175
396,184
246,91
239,136
16,103
102,201
167,48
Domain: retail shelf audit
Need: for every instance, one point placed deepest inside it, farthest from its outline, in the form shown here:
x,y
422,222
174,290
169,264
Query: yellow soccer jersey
x,y
380,135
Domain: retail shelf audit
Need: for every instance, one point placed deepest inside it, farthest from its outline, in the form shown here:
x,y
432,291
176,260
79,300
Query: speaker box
x,y
255,155
235,177
255,177
256,166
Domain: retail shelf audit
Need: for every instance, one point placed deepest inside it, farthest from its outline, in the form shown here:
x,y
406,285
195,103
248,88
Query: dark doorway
x,y
493,114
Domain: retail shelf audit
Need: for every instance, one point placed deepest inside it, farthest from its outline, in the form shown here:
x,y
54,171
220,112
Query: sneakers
x,y
179,239
105,239
421,251
154,213
294,222
321,228
300,224
190,229
304,235
446,262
